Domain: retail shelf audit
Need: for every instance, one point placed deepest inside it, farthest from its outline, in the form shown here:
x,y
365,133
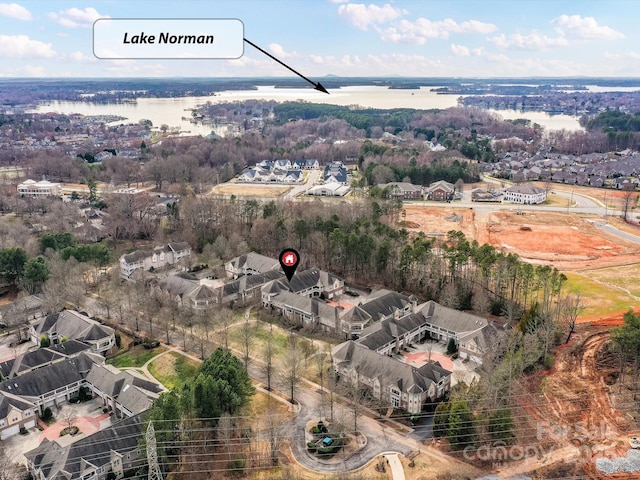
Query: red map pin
x,y
289,260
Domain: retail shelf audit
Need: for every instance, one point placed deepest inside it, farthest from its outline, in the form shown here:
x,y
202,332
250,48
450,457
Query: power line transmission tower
x,y
152,454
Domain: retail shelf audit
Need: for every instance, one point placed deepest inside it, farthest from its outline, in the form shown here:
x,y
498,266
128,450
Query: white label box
x,y
164,38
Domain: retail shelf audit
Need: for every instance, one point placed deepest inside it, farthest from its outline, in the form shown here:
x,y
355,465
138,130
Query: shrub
x,y
451,346
118,340
548,361
47,414
236,467
23,431
44,341
315,430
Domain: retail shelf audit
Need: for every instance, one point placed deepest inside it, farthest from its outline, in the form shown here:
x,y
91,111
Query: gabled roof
x,y
178,286
68,462
526,189
311,278
9,401
443,185
28,361
47,379
450,319
402,186
135,392
256,262
384,303
382,333
387,370
179,246
313,307
72,325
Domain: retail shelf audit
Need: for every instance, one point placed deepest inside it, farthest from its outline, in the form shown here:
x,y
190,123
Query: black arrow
x,y
317,86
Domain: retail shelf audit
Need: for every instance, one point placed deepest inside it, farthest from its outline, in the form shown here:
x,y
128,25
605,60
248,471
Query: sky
x,y
421,38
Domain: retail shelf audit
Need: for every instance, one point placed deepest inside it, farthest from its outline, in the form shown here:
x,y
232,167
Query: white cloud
x,y
361,15
21,46
585,28
14,10
339,1
418,31
77,18
81,57
532,41
279,51
460,50
34,71
62,35
623,56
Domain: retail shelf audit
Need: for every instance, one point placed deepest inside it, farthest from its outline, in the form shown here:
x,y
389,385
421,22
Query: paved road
x,y
311,181
312,407
616,231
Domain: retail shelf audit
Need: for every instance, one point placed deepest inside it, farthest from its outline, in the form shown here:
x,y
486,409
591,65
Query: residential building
x,y
440,191
186,289
307,311
159,257
332,189
245,288
125,393
402,190
109,453
42,188
53,384
392,335
31,360
250,264
526,194
335,172
72,325
468,331
310,283
15,413
381,306
390,380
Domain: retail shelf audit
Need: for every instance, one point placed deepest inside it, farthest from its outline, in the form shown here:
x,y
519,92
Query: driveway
x,y
89,420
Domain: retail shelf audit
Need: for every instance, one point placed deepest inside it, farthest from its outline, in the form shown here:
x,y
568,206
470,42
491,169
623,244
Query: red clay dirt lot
x,y
566,241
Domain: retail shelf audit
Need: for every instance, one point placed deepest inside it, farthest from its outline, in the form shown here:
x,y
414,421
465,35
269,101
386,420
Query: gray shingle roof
x,y
256,262
69,461
389,371
47,379
450,319
72,325
381,333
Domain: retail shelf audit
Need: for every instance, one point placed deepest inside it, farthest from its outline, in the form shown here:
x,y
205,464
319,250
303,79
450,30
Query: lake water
x,y
170,111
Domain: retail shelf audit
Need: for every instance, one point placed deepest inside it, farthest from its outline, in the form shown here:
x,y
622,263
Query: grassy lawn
x,y
250,190
259,335
626,277
598,299
136,357
173,369
558,201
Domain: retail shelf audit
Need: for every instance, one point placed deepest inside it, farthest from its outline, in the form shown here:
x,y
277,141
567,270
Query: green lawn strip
x,y
626,277
182,370
136,357
598,299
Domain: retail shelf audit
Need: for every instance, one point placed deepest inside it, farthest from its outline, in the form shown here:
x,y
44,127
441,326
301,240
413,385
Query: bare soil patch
x,y
565,241
438,221
249,190
579,404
